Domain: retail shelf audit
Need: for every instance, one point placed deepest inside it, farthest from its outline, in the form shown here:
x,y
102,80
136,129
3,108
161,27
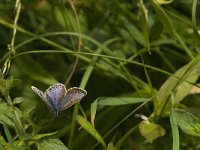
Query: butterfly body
x,y
58,98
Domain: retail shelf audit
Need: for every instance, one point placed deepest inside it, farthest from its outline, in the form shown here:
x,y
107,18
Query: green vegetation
x,y
138,60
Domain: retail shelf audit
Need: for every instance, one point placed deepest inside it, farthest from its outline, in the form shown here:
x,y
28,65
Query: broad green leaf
x,y
39,136
111,147
6,116
177,84
7,84
195,89
6,120
90,129
17,100
151,131
35,70
189,123
50,144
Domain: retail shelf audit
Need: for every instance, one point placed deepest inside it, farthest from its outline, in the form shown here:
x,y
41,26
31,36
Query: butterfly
x,y
58,98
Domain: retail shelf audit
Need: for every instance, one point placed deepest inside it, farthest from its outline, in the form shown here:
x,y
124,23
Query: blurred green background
x,y
125,49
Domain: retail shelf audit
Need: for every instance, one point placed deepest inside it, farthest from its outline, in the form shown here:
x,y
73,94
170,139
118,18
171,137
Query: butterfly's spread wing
x,y
73,96
55,94
41,95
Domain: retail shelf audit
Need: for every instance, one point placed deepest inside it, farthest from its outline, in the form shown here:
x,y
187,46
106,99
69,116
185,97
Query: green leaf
x,y
65,18
7,84
6,115
144,23
93,111
175,131
50,144
164,1
134,32
194,24
128,38
189,123
111,146
9,137
113,101
2,147
17,100
90,129
20,145
39,136
151,131
163,18
6,120
2,142
177,84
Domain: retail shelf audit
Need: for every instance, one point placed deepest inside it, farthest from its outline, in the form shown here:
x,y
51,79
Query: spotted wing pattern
x,y
73,96
41,94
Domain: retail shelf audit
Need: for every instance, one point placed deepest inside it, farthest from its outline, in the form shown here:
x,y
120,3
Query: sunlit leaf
x,y
17,100
93,111
175,130
113,101
164,1
39,136
151,131
111,146
189,123
7,84
90,129
179,85
195,90
50,144
6,115
3,142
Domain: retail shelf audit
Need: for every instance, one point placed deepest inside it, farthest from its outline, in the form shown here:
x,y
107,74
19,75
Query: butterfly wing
x,y
55,94
41,94
72,96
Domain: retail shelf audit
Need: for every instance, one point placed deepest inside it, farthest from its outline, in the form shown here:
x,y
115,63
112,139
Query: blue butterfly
x,y
58,98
